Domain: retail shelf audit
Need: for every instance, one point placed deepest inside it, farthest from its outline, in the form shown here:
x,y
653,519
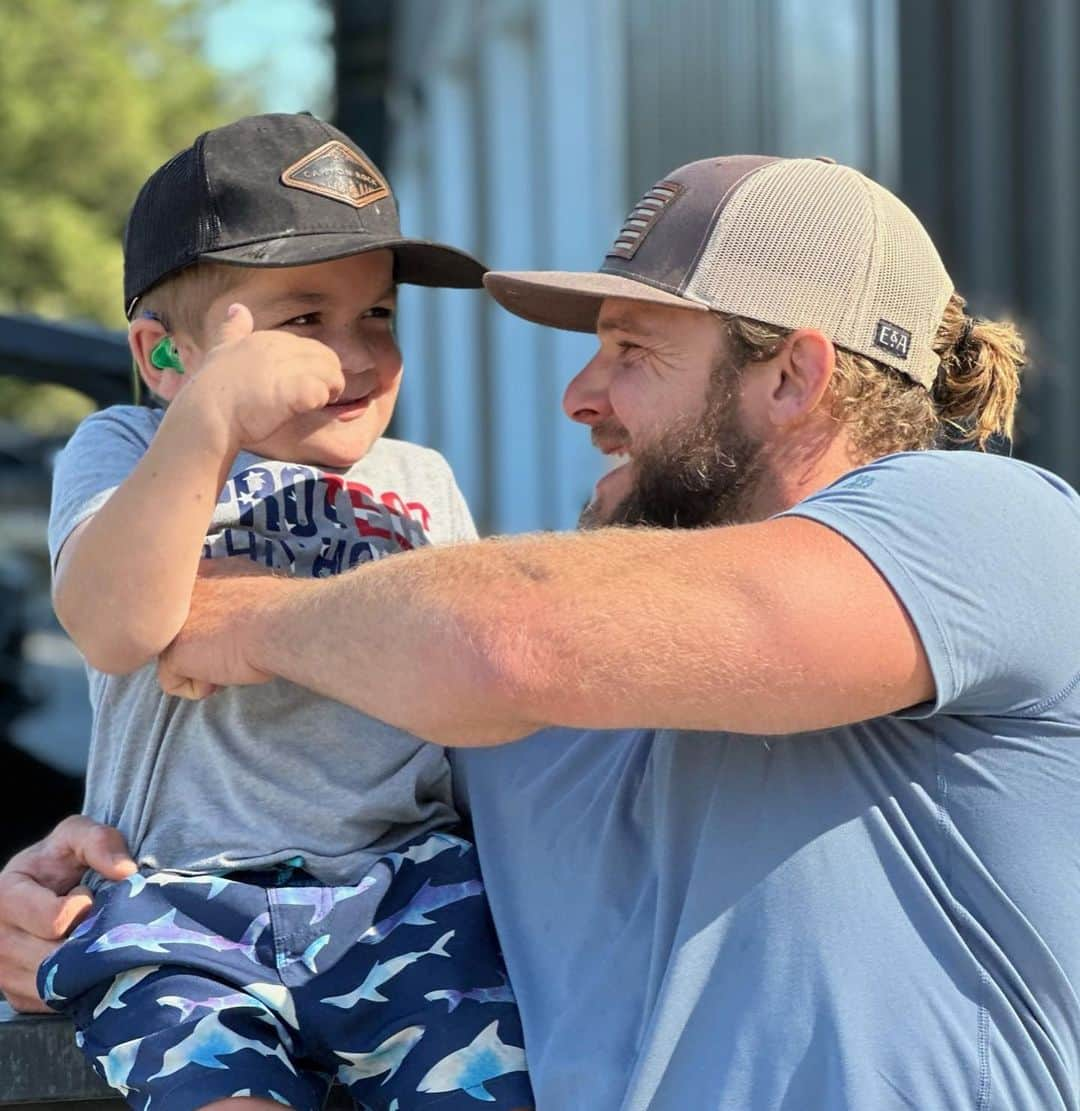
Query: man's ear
x,y
801,376
144,334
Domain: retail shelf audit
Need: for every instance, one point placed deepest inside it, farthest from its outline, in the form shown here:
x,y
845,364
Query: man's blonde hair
x,y
973,399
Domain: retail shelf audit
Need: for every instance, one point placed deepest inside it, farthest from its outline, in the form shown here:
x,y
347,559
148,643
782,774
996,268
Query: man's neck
x,y
800,466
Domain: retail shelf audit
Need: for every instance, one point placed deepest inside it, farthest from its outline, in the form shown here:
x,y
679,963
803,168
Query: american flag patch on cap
x,y
642,217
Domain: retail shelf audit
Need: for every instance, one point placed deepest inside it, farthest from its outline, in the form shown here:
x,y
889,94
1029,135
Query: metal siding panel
x,y
513,424
990,163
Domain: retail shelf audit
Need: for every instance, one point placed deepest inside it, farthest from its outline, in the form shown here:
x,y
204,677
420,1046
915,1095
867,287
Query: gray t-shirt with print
x,y
257,775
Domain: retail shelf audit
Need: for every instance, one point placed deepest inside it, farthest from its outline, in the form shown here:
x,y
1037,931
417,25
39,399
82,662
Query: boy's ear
x,y
144,334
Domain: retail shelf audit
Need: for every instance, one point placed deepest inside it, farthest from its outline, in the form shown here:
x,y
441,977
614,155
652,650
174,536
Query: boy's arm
x,y
123,578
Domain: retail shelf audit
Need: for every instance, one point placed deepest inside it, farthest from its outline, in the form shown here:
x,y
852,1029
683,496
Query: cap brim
x,y
416,261
571,301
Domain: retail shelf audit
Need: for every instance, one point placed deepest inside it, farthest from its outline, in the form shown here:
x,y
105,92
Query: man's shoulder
x,y
915,478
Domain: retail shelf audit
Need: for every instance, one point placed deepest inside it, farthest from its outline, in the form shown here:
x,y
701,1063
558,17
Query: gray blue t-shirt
x,y
257,775
877,917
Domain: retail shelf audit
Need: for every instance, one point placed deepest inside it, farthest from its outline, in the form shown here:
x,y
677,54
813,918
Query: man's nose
x,y
587,397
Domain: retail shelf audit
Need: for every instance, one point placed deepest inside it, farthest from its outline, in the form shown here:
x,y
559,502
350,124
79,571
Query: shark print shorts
x,y
186,989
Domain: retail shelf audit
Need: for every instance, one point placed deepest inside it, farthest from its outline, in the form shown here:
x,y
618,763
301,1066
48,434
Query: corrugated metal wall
x,y
790,77
524,129
990,160
507,125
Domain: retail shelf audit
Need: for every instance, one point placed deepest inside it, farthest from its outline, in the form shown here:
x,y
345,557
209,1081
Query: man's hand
x,y
40,902
212,648
256,381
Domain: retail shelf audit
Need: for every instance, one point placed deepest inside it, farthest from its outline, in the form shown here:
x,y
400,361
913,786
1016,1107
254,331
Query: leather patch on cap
x,y
642,217
335,171
892,338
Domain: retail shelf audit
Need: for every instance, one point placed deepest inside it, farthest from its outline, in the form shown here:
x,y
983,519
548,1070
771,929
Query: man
x,y
809,837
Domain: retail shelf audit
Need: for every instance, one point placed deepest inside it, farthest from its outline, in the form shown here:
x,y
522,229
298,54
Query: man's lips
x,y
616,483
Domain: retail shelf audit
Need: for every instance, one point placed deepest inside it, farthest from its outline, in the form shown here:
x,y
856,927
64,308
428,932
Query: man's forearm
x,y
480,643
778,627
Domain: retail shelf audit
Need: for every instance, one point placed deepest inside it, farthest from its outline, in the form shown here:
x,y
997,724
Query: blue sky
x,y
283,44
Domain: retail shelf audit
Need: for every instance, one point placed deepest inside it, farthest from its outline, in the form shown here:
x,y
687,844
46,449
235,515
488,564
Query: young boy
x,y
303,907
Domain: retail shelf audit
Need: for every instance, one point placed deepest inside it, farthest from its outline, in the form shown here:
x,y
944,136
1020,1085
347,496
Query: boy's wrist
x,y
203,415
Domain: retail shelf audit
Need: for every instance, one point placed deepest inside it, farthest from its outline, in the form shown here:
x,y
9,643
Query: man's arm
x,y
777,627
40,902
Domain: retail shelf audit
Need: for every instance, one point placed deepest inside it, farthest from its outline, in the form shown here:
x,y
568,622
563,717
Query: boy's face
x,y
347,304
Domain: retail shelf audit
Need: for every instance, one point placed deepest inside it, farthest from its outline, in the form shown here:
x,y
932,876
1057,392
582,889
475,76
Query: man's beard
x,y
704,471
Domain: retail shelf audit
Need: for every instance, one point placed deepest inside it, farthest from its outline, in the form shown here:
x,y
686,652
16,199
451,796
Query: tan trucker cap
x,y
794,242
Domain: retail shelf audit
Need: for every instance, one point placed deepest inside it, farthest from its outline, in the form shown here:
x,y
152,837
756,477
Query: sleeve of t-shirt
x,y
461,522
981,552
101,453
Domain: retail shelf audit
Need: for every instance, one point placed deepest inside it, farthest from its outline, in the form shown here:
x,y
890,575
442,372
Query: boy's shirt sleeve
x,y
101,453
461,522
980,550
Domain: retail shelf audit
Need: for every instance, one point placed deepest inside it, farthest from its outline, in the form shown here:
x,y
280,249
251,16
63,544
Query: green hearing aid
x,y
165,356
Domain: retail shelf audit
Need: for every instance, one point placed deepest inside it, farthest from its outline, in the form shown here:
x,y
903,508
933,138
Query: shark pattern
x,y
427,850
85,926
208,1042
275,1096
322,900
386,1058
307,958
386,970
268,1000
468,1070
51,995
117,1064
427,899
163,931
501,993
138,881
113,999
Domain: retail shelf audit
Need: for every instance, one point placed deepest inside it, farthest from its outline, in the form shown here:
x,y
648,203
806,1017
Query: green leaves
x,y
96,94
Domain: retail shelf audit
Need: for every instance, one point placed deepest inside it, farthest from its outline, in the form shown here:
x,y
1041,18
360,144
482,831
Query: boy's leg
x,y
418,1013
243,1103
176,1008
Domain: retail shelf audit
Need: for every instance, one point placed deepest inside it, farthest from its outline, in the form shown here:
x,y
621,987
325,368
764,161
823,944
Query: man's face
x,y
347,304
661,392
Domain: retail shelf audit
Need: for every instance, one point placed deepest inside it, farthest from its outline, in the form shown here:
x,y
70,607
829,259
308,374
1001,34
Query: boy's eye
x,y
380,312
303,320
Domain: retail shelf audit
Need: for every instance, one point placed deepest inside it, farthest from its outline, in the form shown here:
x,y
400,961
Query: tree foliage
x,y
95,94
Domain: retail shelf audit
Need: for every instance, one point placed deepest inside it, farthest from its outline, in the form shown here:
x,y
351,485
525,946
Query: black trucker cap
x,y
275,190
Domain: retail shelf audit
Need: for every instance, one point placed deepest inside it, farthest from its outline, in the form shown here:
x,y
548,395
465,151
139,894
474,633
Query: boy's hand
x,y
256,381
40,902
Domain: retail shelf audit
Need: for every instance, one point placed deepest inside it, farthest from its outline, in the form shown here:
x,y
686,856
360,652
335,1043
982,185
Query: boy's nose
x,y
356,354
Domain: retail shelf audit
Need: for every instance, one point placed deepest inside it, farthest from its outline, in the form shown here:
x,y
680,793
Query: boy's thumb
x,y
237,324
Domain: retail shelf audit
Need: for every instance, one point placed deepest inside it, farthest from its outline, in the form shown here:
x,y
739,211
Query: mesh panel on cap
x,y
908,286
171,223
807,244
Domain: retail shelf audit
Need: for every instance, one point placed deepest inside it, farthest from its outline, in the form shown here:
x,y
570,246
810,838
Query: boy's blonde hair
x,y
181,300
